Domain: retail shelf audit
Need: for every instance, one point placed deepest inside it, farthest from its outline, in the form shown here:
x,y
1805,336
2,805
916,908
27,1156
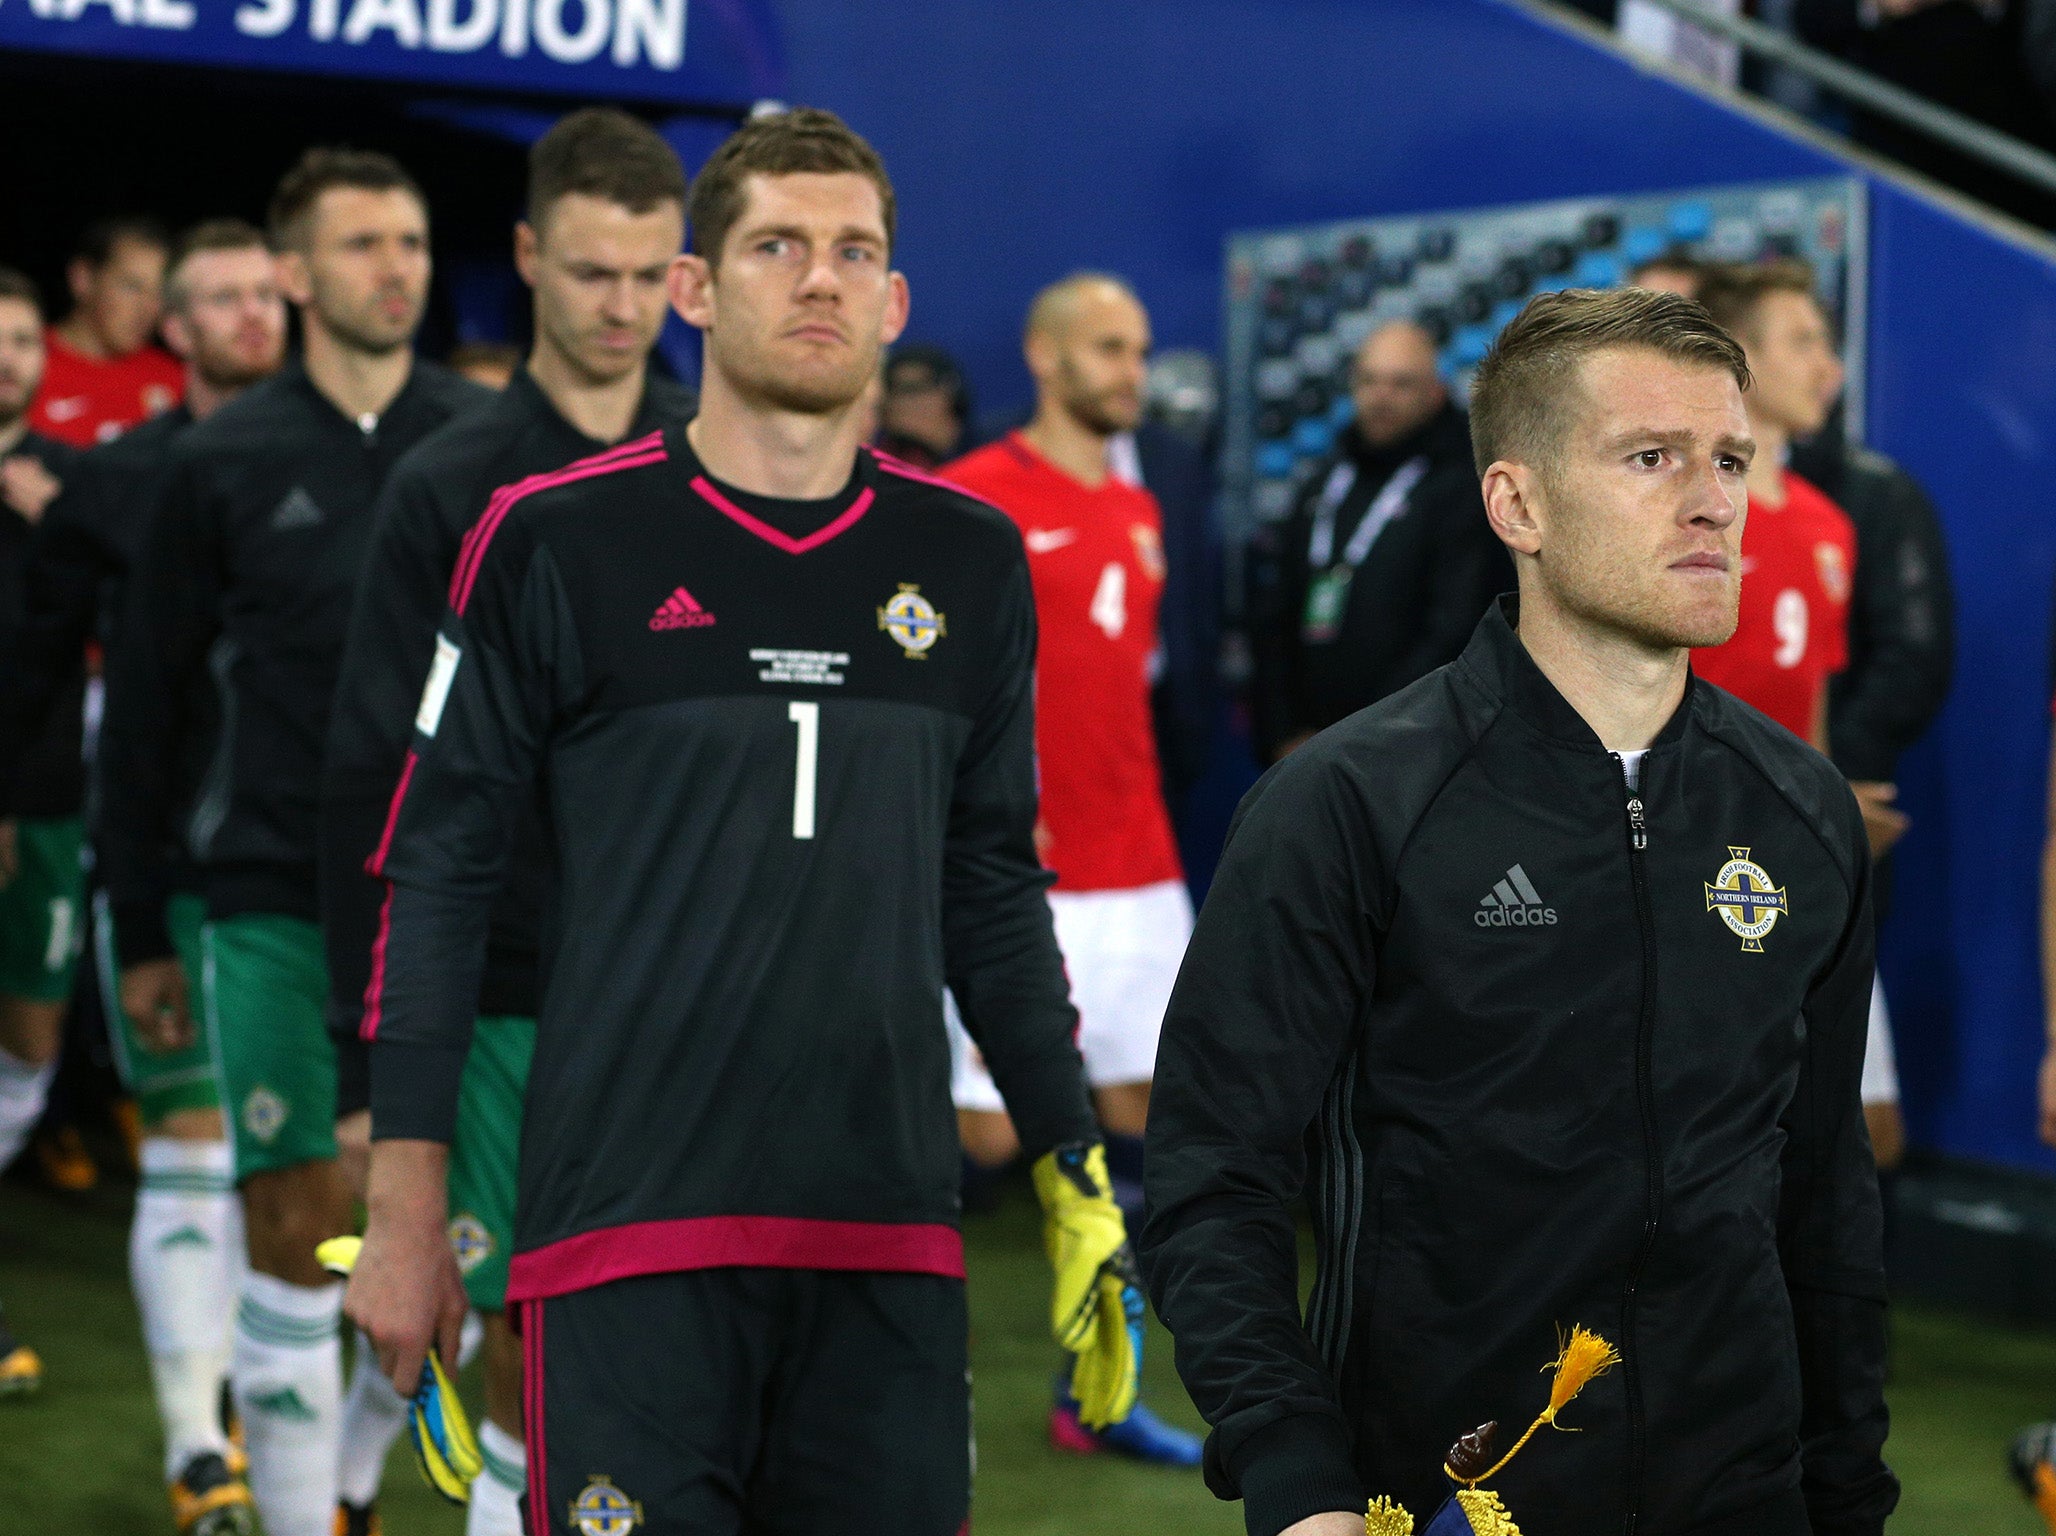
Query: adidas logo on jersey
x,y
1514,903
296,510
681,610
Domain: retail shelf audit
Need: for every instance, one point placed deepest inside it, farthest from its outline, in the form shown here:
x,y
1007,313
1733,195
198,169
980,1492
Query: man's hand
x,y
153,995
10,851
1882,820
1339,1523
27,486
405,1292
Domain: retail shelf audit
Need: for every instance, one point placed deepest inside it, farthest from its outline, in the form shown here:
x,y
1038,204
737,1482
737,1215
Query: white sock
x,y
288,1373
495,1508
373,1416
22,1091
185,1266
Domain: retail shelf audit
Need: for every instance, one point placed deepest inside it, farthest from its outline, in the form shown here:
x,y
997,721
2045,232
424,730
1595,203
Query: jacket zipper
x,y
1645,1097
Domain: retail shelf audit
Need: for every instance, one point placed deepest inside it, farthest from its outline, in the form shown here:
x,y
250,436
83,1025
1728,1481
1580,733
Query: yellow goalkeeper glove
x,y
438,1428
1096,1310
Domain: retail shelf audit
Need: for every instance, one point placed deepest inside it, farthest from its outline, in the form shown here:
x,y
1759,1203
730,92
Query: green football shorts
x,y
263,995
161,1082
43,909
485,1154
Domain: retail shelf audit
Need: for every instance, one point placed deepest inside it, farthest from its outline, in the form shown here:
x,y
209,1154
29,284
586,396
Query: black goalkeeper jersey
x,y
430,501
786,752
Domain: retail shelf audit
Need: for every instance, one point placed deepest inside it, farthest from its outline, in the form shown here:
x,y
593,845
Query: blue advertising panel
x,y
699,52
1300,301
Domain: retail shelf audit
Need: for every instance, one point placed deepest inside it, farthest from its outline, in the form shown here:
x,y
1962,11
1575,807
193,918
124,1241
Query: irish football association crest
x,y
604,1510
912,621
1746,898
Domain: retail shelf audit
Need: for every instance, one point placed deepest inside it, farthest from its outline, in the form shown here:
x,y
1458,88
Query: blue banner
x,y
685,52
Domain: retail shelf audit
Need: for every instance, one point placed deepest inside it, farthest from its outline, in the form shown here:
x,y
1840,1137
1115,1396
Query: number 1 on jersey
x,y
807,716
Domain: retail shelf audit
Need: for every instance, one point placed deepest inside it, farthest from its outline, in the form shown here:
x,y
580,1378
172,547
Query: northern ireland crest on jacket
x,y
1747,899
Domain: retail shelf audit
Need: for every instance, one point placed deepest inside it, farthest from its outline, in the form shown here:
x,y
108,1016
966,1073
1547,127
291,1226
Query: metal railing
x,y
1965,135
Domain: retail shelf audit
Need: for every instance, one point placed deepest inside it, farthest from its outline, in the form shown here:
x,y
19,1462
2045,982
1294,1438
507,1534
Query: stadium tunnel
x,y
197,111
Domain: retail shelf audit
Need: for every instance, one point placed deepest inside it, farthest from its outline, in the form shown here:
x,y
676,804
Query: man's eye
x,y
1650,458
856,253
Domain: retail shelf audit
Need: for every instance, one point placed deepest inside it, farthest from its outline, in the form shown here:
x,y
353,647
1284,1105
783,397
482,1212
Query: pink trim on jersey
x,y
533,1421
906,471
471,554
734,1242
770,535
374,989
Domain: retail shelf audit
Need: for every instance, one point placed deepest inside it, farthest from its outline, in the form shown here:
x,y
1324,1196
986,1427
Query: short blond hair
x,y
1517,397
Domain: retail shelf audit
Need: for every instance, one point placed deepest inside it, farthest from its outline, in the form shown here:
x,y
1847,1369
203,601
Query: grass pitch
x,y
83,1455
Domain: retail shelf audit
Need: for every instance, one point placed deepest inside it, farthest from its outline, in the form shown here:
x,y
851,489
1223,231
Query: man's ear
x,y
293,280
1514,505
690,283
525,247
177,334
899,303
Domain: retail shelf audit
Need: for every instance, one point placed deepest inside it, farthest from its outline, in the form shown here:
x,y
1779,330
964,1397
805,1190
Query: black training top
x,y
785,752
434,496
76,559
1539,1051
42,770
248,567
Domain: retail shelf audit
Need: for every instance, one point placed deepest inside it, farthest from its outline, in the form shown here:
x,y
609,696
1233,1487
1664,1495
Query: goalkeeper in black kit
x,y
772,695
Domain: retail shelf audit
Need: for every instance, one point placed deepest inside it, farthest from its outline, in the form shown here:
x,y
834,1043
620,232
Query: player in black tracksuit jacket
x,y
73,567
433,497
1541,1049
247,573
41,772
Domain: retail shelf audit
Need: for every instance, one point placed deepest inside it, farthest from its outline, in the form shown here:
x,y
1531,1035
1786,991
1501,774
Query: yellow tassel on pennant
x,y
1387,1518
1579,1358
1487,1515
1583,1356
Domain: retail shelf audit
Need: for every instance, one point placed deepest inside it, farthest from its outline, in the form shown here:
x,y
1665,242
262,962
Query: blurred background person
x,y
105,372
1384,565
491,363
1800,565
1096,558
1172,453
924,414
225,318
1676,270
42,887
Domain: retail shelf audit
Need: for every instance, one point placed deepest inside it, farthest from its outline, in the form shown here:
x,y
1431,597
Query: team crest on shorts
x,y
264,1114
912,620
1747,899
604,1510
470,1242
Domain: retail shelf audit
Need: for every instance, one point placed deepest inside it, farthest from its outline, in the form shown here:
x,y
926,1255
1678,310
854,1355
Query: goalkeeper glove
x,y
438,1428
1096,1310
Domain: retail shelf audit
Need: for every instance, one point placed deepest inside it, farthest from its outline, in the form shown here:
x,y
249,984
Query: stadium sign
x,y
643,49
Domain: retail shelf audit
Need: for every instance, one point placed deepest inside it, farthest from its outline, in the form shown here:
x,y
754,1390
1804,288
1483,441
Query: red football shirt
x,y
86,400
1096,558
1793,634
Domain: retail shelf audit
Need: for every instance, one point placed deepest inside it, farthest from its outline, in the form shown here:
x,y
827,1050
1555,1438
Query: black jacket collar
x,y
1496,658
